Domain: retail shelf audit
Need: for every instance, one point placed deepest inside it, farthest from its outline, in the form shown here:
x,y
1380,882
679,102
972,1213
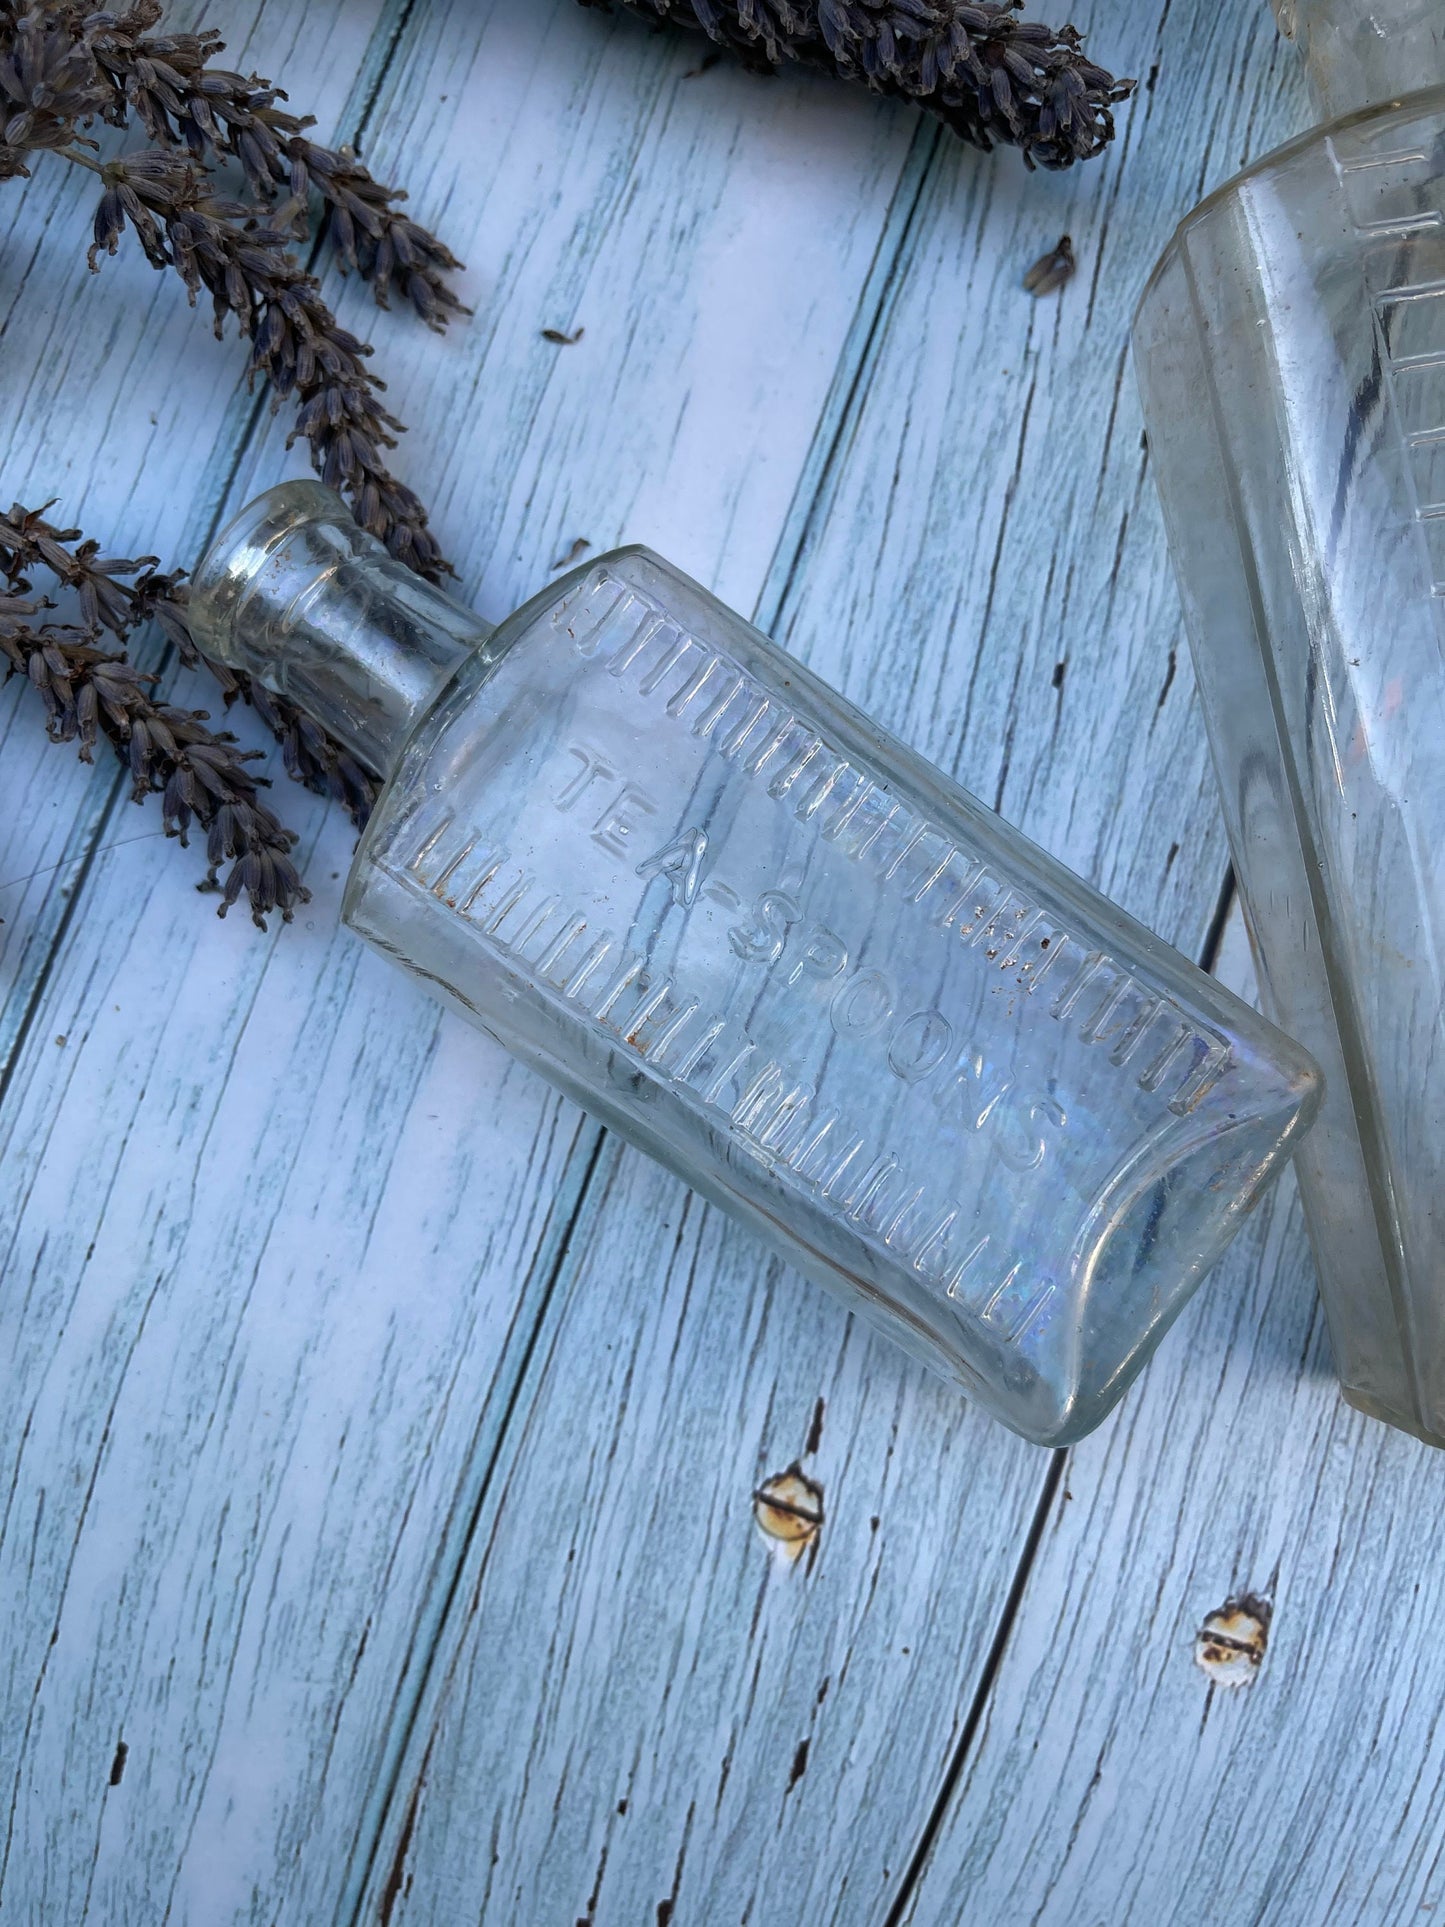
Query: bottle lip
x,y
227,573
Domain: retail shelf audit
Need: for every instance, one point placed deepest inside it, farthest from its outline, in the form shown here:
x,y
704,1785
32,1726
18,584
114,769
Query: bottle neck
x,y
1365,53
308,604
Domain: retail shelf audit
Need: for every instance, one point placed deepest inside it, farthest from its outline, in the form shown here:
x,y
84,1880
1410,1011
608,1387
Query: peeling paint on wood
x,y
789,1510
1231,1643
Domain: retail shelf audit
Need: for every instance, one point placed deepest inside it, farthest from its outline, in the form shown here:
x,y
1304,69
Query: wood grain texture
x,y
226,1340
277,1235
636,1718
378,1452
1113,1779
120,403
984,568
652,1704
109,1014
712,235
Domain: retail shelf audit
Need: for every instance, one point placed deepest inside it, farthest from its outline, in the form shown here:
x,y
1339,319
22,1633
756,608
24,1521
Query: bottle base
x,y
1388,1415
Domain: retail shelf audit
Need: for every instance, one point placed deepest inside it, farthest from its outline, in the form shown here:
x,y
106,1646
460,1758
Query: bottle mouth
x,y
234,569
294,594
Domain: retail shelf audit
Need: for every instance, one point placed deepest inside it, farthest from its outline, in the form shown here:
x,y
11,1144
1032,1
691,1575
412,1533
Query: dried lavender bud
x,y
62,67
985,73
310,756
49,82
29,542
1053,269
108,602
297,345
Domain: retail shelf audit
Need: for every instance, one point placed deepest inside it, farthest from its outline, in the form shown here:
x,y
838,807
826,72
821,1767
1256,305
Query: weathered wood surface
x,y
379,1441
955,554
1111,1780
275,1233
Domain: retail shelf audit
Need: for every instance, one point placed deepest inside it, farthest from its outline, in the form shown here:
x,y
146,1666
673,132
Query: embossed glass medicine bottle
x,y
698,891
1291,352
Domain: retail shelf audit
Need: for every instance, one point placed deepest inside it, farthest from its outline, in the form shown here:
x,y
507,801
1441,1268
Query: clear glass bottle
x,y
1291,353
675,873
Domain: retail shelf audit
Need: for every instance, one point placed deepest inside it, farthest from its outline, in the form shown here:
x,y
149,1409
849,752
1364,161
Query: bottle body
x,y
762,940
1291,354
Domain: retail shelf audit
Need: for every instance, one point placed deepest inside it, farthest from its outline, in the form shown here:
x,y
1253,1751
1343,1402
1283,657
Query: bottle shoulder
x,y
637,566
632,566
1377,173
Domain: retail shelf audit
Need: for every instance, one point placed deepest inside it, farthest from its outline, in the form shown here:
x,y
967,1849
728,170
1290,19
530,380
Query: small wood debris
x,y
562,340
1231,1643
1049,273
578,549
789,1508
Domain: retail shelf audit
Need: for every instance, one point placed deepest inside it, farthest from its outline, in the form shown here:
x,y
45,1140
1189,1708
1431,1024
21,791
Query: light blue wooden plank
x,y
714,238
983,566
651,1703
978,512
281,1233
122,406
226,1337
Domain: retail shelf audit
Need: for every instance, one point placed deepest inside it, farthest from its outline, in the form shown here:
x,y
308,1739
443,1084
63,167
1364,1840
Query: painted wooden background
x,y
378,1440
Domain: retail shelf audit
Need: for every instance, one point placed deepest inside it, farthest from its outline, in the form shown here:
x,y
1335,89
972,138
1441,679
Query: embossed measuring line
x,y
1414,307
804,773
769,1112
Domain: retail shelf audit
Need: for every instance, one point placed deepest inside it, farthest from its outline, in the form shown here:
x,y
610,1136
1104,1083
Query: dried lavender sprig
x,y
297,344
91,692
50,83
201,775
184,101
108,602
309,755
985,73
